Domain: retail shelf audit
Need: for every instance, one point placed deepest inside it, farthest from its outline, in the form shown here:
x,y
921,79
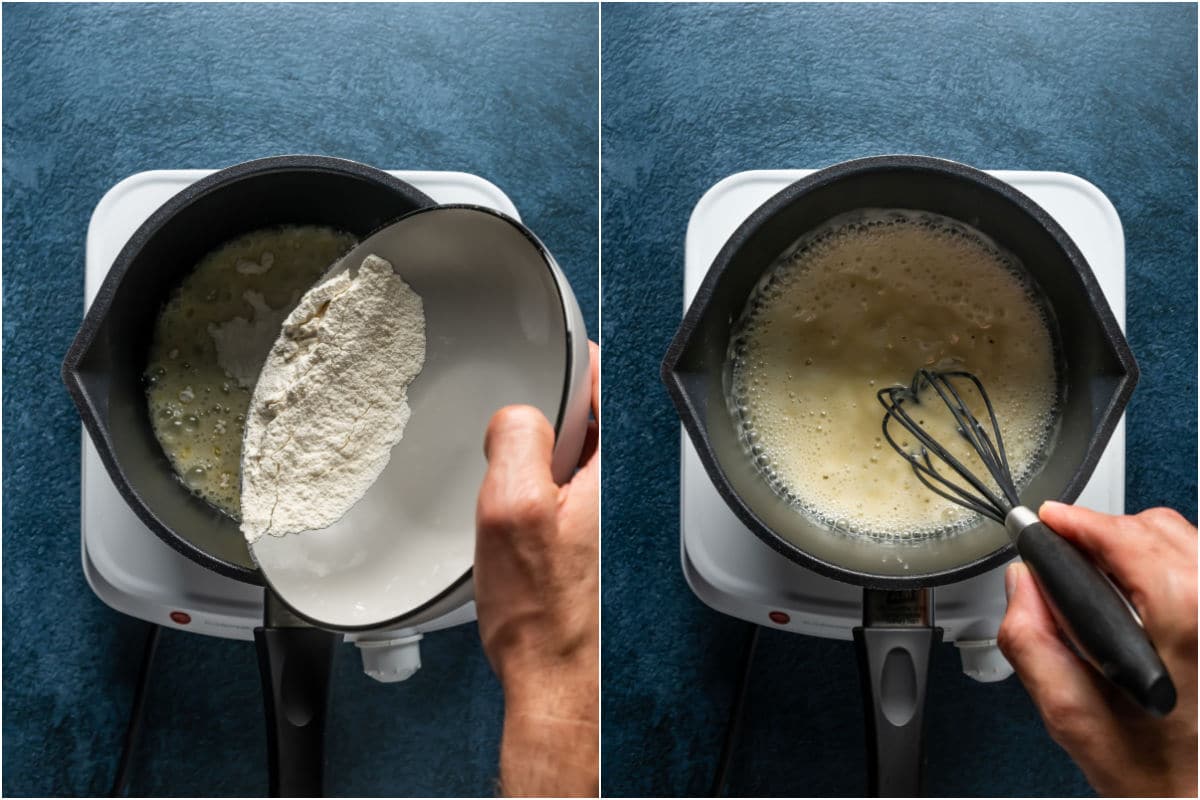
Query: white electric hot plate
x,y
734,572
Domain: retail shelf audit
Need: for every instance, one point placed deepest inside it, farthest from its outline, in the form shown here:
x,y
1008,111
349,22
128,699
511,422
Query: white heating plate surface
x,y
735,573
127,566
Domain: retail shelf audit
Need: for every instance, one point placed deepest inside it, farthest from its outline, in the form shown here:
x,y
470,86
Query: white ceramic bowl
x,y
502,328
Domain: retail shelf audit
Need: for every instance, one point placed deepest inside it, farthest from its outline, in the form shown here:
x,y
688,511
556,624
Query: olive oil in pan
x,y
210,341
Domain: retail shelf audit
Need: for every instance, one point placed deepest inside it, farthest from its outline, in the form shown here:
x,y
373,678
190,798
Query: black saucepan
x,y
1097,375
103,372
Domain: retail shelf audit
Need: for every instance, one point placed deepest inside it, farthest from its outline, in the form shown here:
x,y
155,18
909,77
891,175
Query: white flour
x,y
331,400
243,344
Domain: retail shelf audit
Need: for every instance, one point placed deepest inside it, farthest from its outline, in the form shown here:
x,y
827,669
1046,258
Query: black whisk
x,y
988,503
1101,622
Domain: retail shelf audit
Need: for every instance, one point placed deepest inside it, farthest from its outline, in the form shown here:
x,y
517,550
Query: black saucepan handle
x,y
295,664
893,664
1101,623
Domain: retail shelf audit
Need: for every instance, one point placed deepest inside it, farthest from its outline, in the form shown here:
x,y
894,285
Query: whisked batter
x,y
861,304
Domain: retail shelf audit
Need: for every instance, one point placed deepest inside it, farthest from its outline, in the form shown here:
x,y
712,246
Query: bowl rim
x,y
568,372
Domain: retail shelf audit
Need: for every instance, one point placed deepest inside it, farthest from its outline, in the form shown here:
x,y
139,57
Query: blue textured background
x,y
692,94
93,94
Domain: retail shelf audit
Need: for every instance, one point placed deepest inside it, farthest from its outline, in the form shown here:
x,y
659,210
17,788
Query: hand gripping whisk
x,y
1100,622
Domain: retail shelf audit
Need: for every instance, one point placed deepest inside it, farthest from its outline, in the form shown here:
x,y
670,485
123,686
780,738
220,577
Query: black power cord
x,y
733,727
136,713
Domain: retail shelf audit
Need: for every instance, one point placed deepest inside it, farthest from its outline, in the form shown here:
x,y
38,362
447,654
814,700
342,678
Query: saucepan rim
x,y
98,313
690,415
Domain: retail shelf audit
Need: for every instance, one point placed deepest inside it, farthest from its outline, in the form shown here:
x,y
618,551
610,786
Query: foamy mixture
x,y
209,344
861,304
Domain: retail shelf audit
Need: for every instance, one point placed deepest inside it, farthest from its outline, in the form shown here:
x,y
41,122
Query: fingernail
x,y
1049,504
1010,581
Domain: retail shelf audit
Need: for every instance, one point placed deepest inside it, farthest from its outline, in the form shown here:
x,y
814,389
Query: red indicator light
x,y
180,617
779,617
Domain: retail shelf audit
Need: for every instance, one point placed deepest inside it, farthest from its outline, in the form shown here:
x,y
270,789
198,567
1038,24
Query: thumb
x,y
1059,682
519,445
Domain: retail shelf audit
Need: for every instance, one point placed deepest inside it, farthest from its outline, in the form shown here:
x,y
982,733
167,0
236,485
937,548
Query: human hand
x,y
1122,750
537,600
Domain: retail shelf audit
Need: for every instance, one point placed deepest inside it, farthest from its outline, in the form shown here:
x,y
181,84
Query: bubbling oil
x,y
242,290
861,304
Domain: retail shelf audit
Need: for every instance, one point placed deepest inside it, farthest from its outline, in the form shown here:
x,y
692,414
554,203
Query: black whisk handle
x,y
1099,620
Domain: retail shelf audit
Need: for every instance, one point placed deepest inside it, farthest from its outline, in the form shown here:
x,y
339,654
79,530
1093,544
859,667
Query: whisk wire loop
x,y
989,448
961,496
992,455
926,470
